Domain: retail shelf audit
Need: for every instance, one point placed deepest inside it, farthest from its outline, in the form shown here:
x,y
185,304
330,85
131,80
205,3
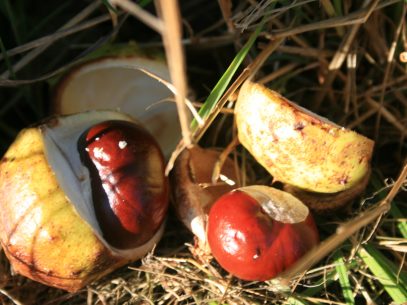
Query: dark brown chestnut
x,y
129,188
193,190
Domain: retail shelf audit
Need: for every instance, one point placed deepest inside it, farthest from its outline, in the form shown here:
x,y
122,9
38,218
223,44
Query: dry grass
x,y
344,62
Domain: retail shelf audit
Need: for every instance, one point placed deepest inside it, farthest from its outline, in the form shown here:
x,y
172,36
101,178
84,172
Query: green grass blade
x,y
394,210
144,3
12,19
224,81
7,59
295,301
402,225
329,278
386,273
342,271
338,7
109,6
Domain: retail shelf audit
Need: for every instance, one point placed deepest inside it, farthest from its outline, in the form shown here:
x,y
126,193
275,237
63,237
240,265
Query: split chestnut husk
x,y
325,203
110,78
298,147
81,196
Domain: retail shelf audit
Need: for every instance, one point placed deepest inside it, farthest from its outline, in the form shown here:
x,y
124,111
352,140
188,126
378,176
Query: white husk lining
x,y
61,151
116,83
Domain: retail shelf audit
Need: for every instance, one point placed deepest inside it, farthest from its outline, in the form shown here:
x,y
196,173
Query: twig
x,y
343,50
172,35
387,115
386,77
56,36
34,53
134,9
10,297
222,158
172,88
357,17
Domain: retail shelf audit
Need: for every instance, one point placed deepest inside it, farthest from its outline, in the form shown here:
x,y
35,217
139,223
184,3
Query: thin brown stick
x,y
172,35
276,74
222,158
144,16
343,51
387,72
358,17
34,53
56,36
388,116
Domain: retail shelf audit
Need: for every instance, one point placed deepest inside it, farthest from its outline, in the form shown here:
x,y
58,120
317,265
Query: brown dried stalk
x,y
172,36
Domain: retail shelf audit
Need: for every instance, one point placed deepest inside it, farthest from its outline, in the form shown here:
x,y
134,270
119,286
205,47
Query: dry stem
x,y
172,35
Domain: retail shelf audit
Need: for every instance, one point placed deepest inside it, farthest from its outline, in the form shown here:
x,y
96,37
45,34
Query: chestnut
x,y
257,232
81,196
128,183
193,190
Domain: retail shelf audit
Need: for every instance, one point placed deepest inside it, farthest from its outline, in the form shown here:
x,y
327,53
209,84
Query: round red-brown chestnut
x,y
81,195
256,240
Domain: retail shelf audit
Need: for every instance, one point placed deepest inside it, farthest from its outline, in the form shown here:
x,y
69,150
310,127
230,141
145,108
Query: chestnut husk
x,y
110,78
327,203
45,231
298,147
193,191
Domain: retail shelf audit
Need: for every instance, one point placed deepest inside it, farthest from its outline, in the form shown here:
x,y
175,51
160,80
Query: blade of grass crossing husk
x,y
386,273
224,81
342,271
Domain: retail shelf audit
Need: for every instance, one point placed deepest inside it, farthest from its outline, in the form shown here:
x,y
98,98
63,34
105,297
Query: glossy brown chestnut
x,y
129,188
251,245
193,190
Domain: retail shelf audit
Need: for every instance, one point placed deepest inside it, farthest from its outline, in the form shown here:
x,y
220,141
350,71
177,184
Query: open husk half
x,y
110,78
298,147
48,228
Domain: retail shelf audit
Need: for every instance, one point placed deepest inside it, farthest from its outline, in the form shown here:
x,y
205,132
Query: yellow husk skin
x,y
41,233
297,147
